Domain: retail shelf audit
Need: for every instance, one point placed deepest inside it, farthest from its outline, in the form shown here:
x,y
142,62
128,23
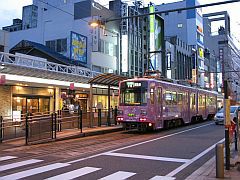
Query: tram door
x,y
159,106
193,108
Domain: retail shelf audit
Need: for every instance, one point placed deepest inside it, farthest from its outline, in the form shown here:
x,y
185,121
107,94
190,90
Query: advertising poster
x,y
78,49
156,39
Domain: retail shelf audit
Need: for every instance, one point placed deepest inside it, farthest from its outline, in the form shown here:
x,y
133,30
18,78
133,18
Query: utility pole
x,y
227,124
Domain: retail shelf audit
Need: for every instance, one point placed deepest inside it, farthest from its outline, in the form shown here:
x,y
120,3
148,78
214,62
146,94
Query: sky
x,y
10,9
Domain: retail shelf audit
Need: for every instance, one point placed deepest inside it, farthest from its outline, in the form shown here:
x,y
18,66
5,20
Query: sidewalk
x,y
208,170
64,135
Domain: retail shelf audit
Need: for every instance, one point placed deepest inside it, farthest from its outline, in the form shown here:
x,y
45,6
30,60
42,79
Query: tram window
x,y
200,102
159,95
152,96
204,100
174,98
180,98
168,97
193,100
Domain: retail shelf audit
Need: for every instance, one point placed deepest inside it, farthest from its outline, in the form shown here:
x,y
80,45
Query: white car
x,y
219,116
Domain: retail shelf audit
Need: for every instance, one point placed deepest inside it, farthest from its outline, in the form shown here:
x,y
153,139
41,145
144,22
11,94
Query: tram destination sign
x,y
133,84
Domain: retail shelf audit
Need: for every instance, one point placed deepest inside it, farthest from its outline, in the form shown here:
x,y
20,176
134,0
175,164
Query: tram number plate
x,y
130,120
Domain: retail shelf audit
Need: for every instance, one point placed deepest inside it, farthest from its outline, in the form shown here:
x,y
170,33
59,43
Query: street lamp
x,y
96,23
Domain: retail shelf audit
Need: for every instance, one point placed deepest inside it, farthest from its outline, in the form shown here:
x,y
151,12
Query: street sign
x,y
2,79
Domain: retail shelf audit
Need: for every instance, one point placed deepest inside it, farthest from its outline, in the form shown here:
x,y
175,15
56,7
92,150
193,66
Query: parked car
x,y
219,116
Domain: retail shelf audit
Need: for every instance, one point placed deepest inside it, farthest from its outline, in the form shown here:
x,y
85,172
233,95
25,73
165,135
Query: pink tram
x,y
149,104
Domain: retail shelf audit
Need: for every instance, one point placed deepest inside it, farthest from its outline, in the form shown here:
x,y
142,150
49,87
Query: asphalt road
x,y
172,154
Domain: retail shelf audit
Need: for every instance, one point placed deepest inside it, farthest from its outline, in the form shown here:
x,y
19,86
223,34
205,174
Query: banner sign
x,y
78,47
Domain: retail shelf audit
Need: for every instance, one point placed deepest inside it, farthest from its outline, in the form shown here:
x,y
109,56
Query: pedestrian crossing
x,y
24,169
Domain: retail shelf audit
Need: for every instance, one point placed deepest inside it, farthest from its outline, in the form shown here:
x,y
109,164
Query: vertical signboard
x,y
95,37
124,53
156,39
152,37
78,47
159,41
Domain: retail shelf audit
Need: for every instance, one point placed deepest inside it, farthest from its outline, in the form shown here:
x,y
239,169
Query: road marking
x,y
19,164
174,172
4,158
137,144
118,175
155,158
34,171
162,178
74,174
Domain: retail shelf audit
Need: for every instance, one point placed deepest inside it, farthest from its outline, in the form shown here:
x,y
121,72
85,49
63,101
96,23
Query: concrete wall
x,y
5,100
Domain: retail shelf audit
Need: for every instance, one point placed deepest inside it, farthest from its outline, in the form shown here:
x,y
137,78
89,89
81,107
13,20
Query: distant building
x,y
63,26
188,26
16,26
179,59
4,35
133,49
225,52
29,17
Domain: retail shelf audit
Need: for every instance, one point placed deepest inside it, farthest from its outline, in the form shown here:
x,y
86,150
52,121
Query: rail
x,y
11,59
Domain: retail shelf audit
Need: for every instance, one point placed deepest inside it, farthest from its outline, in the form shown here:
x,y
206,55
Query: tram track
x,y
77,148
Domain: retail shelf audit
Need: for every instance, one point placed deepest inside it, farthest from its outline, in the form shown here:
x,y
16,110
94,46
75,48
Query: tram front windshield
x,y
133,94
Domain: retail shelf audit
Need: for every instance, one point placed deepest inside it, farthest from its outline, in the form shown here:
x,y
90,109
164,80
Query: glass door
x,y
33,105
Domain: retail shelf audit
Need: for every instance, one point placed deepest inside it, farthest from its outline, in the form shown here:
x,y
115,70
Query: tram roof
x,y
107,79
171,83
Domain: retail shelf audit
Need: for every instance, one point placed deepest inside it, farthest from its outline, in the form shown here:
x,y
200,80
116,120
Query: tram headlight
x,y
120,118
143,112
143,119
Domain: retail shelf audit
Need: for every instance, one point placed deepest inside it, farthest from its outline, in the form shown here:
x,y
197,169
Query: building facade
x,y
188,26
223,49
4,46
63,26
133,33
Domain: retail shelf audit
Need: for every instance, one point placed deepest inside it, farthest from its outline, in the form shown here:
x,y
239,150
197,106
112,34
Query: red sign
x,y
71,86
2,79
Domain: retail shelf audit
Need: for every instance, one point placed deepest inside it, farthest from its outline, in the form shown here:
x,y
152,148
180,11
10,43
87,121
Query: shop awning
x,y
107,79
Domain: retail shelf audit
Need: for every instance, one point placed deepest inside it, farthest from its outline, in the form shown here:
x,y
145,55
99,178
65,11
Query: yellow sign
x,y
201,52
194,76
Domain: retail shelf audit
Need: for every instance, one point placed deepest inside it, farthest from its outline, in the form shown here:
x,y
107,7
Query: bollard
x,y
26,130
1,129
219,161
227,149
55,125
99,117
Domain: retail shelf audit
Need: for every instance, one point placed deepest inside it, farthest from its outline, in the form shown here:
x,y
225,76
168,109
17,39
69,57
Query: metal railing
x,y
11,59
46,125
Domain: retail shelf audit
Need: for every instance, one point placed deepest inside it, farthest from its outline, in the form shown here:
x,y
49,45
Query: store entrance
x,y
83,104
31,104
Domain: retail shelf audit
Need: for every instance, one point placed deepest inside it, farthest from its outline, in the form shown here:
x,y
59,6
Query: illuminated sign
x,y
133,84
211,80
194,76
201,52
124,53
200,29
78,47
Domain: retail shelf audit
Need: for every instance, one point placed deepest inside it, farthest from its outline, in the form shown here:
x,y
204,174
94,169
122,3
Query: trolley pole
x,y
227,124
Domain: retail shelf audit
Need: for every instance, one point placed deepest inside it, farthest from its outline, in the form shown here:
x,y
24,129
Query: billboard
x,y
78,47
156,39
124,53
